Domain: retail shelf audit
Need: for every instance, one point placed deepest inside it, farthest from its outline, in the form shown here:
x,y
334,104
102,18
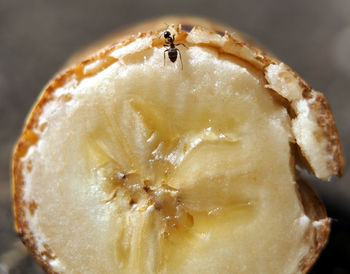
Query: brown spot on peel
x,y
32,206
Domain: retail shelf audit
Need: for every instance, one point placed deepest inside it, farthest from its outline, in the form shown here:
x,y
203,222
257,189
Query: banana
x,y
127,165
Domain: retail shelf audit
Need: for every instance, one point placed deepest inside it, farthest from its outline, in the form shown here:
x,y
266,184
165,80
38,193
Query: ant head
x,y
167,34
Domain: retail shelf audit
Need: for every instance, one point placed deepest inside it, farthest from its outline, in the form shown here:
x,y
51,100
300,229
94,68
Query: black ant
x,y
172,50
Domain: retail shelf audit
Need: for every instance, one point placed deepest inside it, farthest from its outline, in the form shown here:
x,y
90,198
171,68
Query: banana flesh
x,y
157,170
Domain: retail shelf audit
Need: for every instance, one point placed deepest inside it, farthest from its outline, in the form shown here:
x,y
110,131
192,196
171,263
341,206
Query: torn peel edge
x,y
321,224
317,136
314,125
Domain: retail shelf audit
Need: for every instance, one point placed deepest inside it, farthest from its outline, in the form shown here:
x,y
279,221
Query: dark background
x,y
37,36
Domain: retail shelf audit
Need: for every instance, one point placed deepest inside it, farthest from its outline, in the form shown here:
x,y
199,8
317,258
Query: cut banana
x,y
127,165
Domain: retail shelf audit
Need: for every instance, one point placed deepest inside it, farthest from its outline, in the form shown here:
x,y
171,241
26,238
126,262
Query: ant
x,y
172,50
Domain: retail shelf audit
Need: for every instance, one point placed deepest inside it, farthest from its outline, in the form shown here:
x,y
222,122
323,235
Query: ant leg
x,y
164,55
181,44
182,66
